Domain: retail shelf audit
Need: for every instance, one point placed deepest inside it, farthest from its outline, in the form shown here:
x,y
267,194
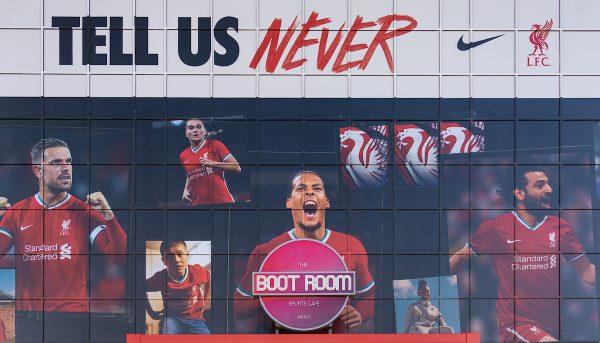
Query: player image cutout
x,y
525,252
51,232
184,289
308,202
205,163
422,316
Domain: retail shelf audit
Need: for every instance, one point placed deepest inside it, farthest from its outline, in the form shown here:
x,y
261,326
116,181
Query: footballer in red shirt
x,y
205,163
526,246
184,290
51,233
308,203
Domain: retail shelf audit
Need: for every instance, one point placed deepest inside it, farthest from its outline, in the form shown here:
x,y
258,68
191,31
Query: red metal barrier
x,y
303,338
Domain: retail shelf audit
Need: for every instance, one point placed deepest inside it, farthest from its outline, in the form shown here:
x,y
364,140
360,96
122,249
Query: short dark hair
x,y
37,152
166,245
509,182
422,283
300,173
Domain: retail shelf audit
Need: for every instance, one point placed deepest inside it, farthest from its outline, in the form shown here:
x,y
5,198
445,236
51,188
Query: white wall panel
x,y
538,86
65,85
278,86
417,87
111,85
580,14
63,8
430,51
244,10
492,14
418,53
234,86
20,85
13,13
188,86
154,10
580,87
426,12
24,55
335,10
579,49
370,10
531,12
371,86
286,10
326,86
455,14
149,85
456,87
454,60
493,87
495,56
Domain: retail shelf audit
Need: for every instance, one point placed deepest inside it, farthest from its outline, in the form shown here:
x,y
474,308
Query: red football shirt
x,y
348,247
51,247
527,262
207,183
183,298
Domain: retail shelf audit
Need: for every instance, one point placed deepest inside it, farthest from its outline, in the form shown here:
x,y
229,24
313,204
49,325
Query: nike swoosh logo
x,y
511,242
24,227
462,46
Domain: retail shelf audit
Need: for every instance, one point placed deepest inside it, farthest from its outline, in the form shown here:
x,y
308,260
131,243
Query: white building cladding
x,y
426,61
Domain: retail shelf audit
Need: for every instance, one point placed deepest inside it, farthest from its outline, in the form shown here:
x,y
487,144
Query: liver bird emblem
x,y
538,37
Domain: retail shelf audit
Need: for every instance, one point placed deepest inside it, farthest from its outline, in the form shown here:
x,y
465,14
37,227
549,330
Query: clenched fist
x,y
98,202
4,205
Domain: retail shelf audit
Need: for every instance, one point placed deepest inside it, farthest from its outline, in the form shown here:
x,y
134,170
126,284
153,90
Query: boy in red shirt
x,y
184,290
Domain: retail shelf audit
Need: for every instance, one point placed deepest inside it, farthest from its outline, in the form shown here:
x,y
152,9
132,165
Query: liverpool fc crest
x,y
538,38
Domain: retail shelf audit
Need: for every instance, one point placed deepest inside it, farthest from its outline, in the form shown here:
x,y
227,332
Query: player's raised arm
x,y
230,164
581,263
364,300
225,160
107,234
187,194
98,202
585,268
244,304
6,227
4,206
459,258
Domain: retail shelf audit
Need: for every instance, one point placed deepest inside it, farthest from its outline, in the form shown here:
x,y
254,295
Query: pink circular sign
x,y
303,284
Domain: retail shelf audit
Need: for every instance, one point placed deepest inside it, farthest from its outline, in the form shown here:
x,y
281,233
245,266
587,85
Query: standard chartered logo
x,y
43,252
65,251
535,262
553,261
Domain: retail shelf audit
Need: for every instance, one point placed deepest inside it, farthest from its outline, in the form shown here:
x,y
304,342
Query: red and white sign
x,y
303,284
